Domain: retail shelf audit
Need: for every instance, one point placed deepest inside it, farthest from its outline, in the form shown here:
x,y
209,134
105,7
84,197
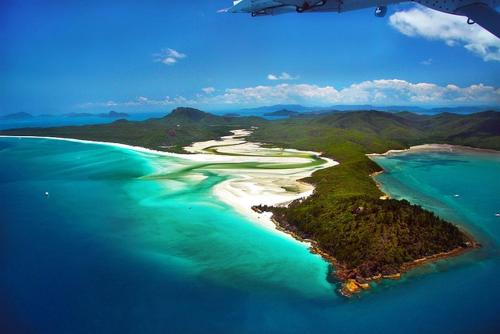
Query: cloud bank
x,y
380,92
451,29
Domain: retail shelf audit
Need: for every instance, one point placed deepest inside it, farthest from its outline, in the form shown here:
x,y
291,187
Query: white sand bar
x,y
248,187
271,183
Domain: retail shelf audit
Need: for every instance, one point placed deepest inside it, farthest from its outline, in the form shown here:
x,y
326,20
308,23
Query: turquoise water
x,y
111,250
463,187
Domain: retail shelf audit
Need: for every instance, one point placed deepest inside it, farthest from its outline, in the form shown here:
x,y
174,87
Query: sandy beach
x,y
434,147
264,186
271,177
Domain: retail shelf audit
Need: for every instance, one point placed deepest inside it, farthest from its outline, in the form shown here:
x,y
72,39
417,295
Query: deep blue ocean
x,y
56,120
112,251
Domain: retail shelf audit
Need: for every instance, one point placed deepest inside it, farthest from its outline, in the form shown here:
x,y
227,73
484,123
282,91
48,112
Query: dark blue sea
x,y
58,120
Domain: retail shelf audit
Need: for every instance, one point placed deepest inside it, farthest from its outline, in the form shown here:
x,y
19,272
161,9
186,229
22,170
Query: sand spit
x,y
249,187
436,148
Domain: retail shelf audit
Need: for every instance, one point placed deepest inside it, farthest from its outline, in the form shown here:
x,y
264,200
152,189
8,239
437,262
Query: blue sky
x,y
89,56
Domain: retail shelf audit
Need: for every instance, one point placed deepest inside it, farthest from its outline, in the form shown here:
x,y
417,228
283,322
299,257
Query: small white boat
x,y
47,194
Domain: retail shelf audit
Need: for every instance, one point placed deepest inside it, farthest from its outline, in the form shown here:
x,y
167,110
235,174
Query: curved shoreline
x,y
355,285
421,149
349,285
245,188
105,143
471,243
242,194
436,148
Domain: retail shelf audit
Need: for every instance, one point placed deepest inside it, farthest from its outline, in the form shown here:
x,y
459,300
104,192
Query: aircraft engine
x,y
380,11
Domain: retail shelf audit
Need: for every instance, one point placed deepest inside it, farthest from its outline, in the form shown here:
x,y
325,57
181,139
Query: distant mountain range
x,y
17,115
282,112
269,109
25,115
297,108
111,114
186,125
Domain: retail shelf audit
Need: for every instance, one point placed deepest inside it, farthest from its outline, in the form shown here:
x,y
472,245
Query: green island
x,y
347,218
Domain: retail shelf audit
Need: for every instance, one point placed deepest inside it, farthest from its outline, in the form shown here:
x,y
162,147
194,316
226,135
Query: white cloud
x,y
208,90
282,76
379,92
392,91
168,56
426,62
452,29
141,101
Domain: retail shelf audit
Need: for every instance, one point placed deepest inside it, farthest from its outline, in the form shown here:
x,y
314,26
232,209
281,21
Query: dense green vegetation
x,y
170,133
369,236
345,216
348,136
385,234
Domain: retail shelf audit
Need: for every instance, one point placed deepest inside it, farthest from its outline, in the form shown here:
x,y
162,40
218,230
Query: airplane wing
x,y
484,15
481,12
276,7
262,7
